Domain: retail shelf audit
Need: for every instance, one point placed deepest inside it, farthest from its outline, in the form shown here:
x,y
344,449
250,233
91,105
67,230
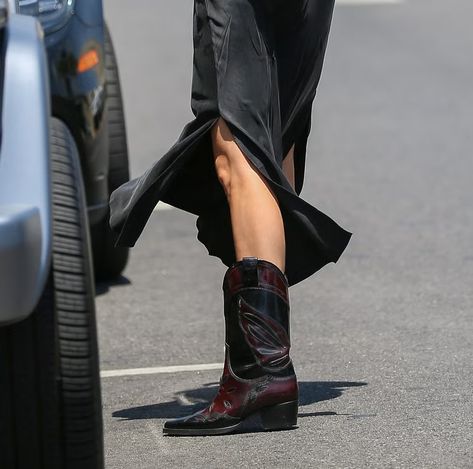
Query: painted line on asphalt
x,y
160,369
368,2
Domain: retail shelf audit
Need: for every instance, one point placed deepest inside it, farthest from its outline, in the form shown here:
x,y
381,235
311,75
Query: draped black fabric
x,y
257,64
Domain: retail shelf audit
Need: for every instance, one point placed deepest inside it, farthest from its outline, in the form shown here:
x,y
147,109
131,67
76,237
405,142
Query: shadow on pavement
x,y
103,287
192,400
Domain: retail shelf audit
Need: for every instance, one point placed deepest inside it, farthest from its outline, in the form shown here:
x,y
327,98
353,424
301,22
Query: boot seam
x,y
260,378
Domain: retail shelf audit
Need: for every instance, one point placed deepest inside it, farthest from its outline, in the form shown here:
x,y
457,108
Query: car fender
x,y
89,11
25,185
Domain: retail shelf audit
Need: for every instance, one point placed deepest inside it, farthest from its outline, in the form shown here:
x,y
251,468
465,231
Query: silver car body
x,y
25,186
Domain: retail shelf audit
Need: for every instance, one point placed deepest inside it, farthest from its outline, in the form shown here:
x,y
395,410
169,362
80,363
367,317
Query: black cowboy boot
x,y
258,380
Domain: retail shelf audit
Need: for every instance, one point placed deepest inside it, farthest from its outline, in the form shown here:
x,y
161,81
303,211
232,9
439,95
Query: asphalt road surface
x,y
382,340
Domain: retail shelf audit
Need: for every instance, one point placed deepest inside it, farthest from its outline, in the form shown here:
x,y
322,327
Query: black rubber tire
x,y
119,171
109,261
50,403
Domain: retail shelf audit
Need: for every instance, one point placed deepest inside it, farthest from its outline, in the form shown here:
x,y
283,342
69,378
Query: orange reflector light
x,y
87,61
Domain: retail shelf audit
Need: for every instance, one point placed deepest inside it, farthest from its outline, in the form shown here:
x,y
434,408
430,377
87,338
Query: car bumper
x,y
25,186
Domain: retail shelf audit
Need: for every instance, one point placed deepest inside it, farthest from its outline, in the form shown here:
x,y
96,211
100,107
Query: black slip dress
x,y
256,64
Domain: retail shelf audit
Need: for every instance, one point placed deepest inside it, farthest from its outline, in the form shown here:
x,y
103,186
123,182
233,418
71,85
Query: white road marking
x,y
160,369
368,2
163,206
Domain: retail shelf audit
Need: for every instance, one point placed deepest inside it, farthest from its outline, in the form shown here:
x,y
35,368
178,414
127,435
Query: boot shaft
x,y
257,318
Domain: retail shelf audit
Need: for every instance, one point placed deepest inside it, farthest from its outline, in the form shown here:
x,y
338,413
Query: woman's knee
x,y
231,165
221,153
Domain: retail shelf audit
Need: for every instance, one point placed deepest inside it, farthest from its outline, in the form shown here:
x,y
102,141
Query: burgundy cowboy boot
x,y
258,383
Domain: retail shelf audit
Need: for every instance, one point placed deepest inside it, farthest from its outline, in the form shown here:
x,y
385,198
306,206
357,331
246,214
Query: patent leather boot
x,y
258,388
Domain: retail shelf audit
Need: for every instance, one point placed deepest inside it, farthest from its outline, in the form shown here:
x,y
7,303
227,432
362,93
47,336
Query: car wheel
x,y
51,413
110,261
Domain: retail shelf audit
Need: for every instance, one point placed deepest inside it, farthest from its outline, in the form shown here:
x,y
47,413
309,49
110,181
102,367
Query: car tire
x,y
110,261
51,412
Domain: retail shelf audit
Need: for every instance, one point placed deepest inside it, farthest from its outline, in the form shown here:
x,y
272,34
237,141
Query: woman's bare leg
x,y
257,224
288,167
